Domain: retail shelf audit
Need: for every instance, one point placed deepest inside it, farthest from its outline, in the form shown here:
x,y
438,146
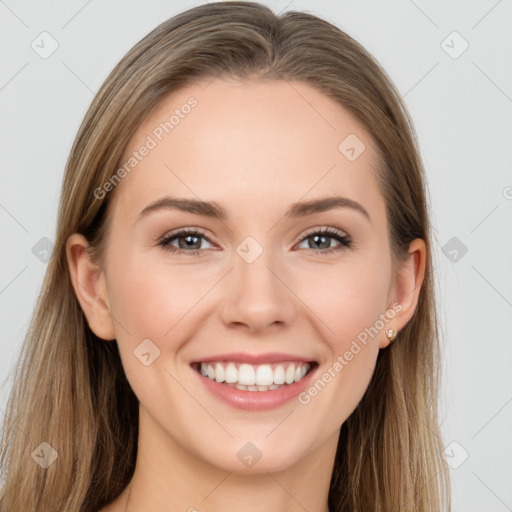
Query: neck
x,y
168,477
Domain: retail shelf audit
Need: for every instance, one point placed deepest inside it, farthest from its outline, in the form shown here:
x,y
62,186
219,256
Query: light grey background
x,y
462,112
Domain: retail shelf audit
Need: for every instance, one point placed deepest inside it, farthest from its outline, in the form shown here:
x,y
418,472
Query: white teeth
x,y
290,374
231,373
246,375
264,377
279,375
219,373
254,388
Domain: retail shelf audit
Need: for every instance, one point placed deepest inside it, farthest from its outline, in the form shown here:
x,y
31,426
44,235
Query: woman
x,y
193,348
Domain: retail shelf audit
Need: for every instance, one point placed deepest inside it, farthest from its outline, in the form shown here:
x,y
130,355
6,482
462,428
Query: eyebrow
x,y
216,211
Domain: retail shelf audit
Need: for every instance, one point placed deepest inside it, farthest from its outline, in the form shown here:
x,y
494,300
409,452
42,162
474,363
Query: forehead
x,y
260,144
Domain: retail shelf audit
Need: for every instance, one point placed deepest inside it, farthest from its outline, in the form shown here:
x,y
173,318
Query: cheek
x,y
348,305
150,299
345,299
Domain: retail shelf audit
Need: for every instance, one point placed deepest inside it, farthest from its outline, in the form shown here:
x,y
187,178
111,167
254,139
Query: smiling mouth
x,y
249,377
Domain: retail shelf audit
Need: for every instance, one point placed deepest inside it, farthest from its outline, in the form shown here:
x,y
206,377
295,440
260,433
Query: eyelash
x,y
344,241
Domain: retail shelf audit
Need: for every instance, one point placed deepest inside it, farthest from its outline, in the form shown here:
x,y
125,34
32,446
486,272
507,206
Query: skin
x,y
255,148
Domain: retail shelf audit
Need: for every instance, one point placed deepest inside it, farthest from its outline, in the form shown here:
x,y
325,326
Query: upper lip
x,y
244,357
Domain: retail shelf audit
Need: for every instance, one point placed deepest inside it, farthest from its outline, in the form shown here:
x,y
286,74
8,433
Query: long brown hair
x,y
70,390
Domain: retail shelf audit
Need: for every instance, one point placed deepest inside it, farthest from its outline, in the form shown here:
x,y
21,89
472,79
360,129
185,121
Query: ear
x,y
406,287
89,285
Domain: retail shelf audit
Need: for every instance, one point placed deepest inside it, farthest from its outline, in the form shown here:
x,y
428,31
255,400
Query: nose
x,y
257,296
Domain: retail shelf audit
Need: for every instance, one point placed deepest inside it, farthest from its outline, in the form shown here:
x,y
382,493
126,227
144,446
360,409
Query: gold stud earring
x,y
391,334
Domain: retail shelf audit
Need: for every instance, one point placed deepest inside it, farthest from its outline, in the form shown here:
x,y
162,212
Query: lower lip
x,y
256,400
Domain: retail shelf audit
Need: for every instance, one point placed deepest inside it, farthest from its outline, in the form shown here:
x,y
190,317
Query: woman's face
x,y
260,281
